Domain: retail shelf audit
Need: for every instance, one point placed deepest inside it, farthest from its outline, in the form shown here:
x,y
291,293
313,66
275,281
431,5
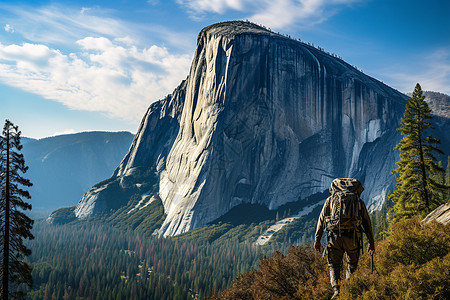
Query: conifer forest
x,y
183,150
94,261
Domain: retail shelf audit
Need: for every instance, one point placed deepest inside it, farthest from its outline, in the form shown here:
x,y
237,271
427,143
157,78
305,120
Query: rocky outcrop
x,y
440,214
439,103
261,119
147,154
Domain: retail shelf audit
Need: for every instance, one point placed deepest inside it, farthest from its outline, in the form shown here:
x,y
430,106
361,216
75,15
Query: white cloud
x,y
105,75
124,40
57,24
88,59
431,71
63,25
84,10
217,6
276,14
9,28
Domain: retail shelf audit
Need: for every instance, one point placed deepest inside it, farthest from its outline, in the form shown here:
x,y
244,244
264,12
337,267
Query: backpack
x,y
345,205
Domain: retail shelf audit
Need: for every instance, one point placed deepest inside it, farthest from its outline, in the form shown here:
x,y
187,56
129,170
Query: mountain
x,y
261,119
26,140
439,103
62,168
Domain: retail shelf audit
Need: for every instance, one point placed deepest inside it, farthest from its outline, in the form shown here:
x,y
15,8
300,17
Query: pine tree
x,y
440,179
14,224
416,190
447,177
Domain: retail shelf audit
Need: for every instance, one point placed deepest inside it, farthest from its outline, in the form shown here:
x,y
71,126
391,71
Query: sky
x,y
72,66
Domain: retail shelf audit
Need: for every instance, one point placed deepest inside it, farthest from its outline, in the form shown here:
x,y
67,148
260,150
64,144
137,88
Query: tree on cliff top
x,y
416,190
14,224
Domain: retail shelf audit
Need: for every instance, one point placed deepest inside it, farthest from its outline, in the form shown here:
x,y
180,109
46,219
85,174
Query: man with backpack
x,y
344,216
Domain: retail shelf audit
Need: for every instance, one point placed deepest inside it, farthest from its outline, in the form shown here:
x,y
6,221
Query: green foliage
x,y
247,221
417,190
413,263
380,220
411,242
15,225
439,178
208,233
99,261
199,263
242,223
299,232
123,192
142,214
447,178
144,220
300,274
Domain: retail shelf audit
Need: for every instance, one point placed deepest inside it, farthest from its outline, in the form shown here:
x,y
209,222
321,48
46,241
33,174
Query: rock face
x,y
439,103
261,119
440,214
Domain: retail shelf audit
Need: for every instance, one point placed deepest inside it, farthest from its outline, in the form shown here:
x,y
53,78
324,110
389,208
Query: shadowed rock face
x,y
260,119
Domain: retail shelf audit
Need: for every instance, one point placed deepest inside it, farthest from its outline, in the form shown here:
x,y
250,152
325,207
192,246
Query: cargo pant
x,y
348,243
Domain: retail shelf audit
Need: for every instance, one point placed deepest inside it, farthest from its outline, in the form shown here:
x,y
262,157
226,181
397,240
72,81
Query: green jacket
x,y
326,210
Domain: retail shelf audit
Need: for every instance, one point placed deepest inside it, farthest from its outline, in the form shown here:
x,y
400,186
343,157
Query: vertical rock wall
x,y
269,120
262,119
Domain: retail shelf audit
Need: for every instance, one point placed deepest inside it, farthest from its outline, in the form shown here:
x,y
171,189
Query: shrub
x,y
413,263
300,274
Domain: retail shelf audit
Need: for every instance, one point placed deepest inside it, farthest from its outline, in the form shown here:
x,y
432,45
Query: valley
x,y
229,170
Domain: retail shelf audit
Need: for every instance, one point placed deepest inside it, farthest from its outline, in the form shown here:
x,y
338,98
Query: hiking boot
x,y
336,292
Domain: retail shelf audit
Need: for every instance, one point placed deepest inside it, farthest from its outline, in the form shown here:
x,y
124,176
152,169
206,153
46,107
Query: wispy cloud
x,y
104,76
276,14
63,25
9,28
88,60
60,24
431,71
216,6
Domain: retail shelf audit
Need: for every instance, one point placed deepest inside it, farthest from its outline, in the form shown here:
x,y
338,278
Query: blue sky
x,y
75,66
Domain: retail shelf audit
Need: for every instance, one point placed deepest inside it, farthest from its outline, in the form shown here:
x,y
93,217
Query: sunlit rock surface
x,y
440,214
261,119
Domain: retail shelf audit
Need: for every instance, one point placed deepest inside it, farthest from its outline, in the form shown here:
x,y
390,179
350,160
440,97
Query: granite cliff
x,y
260,119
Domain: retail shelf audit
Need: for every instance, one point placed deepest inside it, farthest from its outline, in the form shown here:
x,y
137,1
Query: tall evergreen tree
x,y
15,226
416,190
447,177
